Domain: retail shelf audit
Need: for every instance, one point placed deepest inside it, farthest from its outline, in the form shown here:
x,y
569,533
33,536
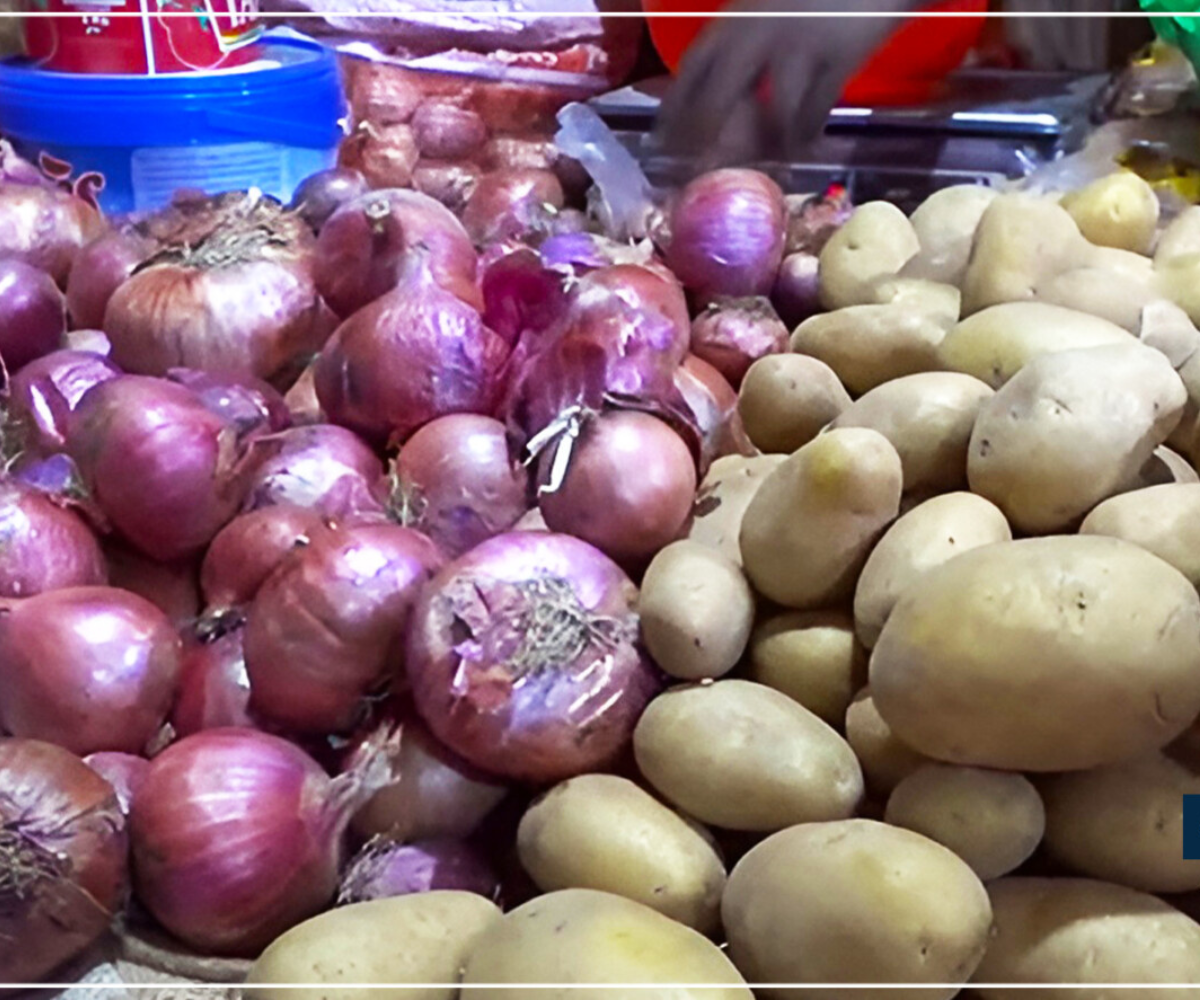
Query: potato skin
x,y
861,902
423,938
935,298
875,242
786,399
982,662
1120,210
1111,295
885,759
600,831
742,756
722,499
1066,930
945,225
584,936
1163,520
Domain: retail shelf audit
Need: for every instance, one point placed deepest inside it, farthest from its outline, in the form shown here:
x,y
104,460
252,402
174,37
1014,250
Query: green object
x,y
1181,32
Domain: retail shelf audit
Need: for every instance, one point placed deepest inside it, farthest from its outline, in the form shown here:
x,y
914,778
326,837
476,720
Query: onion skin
x,y
100,269
327,628
173,588
301,399
66,846
88,668
713,404
629,486
43,395
445,131
797,291
322,194
34,311
124,771
727,234
734,333
457,482
43,545
510,697
249,404
91,341
214,688
44,227
509,204
383,869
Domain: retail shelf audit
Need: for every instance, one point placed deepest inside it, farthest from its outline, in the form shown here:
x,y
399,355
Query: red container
x,y
150,36
906,69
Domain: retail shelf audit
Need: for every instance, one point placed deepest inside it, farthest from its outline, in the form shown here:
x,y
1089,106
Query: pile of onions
x,y
214,688
727,234
383,869
237,836
89,668
455,481
523,657
508,204
63,854
713,403
43,395
732,334
324,192
415,354
172,587
34,311
166,471
44,545
124,771
326,629
363,247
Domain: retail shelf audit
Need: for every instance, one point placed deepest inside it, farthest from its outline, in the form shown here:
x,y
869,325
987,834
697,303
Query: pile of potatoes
x,y
937,649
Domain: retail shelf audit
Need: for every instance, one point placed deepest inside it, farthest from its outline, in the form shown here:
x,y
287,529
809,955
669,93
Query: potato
x,y
1124,823
786,399
1100,292
1124,263
988,660
1120,210
742,756
812,523
588,937
996,343
932,297
872,344
875,242
812,657
722,499
928,419
992,820
1070,430
599,831
945,224
1180,238
1021,241
1164,520
1177,280
885,760
927,536
422,938
1066,930
855,902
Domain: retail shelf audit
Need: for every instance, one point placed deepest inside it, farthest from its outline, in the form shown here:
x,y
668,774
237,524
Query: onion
x,y
250,405
172,587
449,183
248,549
727,234
301,399
384,154
323,193
509,204
214,688
578,253
326,630
523,657
322,467
381,93
731,334
456,482
812,220
43,545
124,771
34,311
89,668
362,249
415,354
510,152
165,470
628,485
63,854
713,403
797,291
237,297
383,869
237,837
43,395
445,131
101,268
523,299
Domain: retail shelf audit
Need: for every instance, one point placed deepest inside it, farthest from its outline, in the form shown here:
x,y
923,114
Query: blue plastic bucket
x,y
149,136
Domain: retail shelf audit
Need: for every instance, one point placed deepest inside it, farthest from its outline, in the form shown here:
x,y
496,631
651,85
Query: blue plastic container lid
x,y
297,103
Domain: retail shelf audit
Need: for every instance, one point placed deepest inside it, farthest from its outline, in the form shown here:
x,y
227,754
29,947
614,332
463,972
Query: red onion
x,y
448,183
727,234
713,404
524,300
63,854
301,399
508,204
457,483
628,485
247,403
34,311
731,334
445,131
523,657
381,93
322,467
101,268
214,688
580,252
89,668
812,220
384,154
413,355
323,193
797,291
326,630
383,869
249,549
164,469
43,395
362,249
237,837
238,297
43,545
124,771
172,587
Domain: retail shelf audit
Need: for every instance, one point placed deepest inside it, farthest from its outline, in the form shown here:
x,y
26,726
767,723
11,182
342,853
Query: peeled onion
x,y
43,545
